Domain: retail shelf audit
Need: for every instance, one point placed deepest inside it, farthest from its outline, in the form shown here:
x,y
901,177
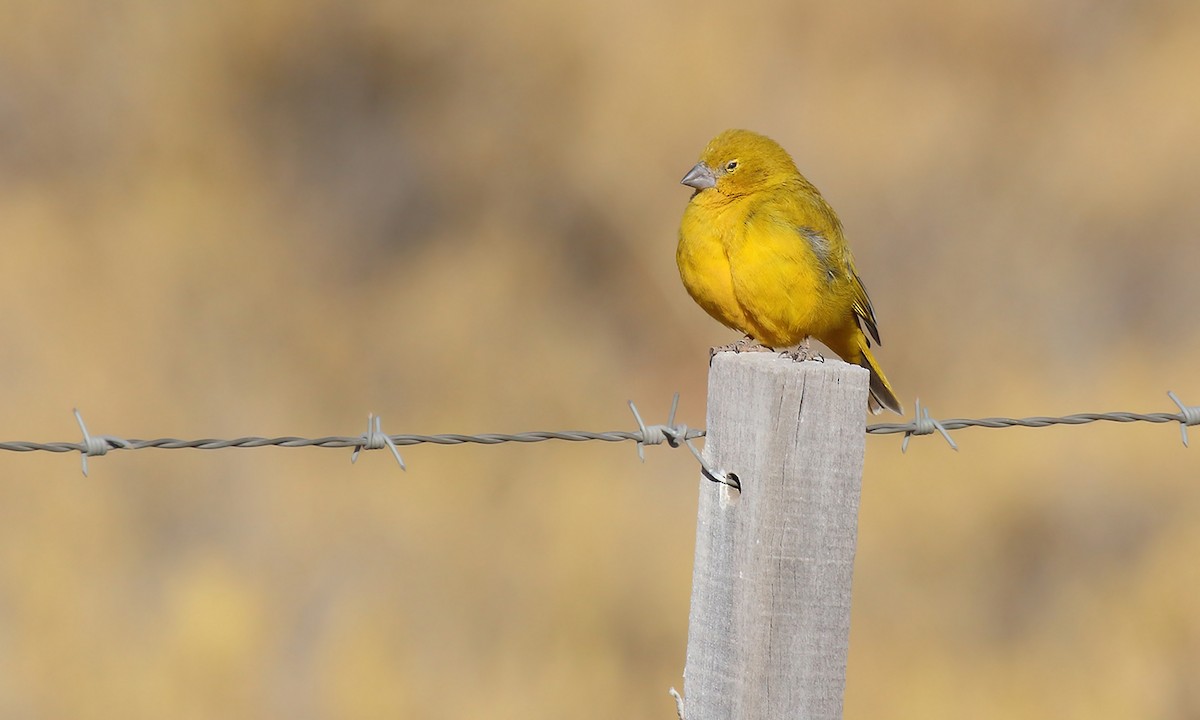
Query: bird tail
x,y
882,394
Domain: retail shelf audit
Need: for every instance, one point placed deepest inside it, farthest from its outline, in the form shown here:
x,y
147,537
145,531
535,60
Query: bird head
x,y
739,162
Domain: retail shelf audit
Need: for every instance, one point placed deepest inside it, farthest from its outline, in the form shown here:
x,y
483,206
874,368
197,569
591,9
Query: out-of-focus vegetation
x,y
228,218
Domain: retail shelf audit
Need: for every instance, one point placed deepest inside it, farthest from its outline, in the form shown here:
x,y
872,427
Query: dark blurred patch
x,y
334,114
64,118
15,140
1136,282
596,273
587,242
1045,551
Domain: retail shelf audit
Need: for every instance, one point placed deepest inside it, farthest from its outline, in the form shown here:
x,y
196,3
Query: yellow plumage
x,y
763,253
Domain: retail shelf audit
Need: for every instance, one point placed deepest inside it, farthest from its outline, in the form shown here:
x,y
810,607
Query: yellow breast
x,y
703,260
752,269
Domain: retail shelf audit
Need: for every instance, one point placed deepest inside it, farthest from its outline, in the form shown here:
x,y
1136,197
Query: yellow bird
x,y
763,253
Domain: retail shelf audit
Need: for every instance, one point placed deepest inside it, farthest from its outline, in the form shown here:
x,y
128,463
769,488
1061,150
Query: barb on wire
x,y
1188,415
655,434
374,439
925,425
94,445
674,434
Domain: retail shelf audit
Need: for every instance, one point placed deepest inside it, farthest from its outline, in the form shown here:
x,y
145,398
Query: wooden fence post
x,y
770,619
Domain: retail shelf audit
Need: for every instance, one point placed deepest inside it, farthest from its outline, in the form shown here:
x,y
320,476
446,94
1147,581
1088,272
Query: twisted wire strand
x,y
671,433
1036,421
339,441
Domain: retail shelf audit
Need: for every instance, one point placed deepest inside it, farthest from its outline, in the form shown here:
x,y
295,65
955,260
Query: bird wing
x,y
863,312
836,259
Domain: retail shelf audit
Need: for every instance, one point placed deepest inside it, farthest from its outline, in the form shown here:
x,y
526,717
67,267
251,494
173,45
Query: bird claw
x,y
746,344
803,353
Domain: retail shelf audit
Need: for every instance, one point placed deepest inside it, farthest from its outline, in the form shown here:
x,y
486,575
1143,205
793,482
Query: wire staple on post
x,y
375,439
678,702
925,425
1188,415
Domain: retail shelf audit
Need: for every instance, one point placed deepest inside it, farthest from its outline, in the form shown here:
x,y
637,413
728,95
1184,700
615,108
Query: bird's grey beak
x,y
699,177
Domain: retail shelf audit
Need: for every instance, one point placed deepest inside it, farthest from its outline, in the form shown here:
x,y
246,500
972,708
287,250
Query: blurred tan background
x,y
226,218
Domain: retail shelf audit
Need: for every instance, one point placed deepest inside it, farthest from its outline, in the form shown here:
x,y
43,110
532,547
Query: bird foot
x,y
802,353
746,344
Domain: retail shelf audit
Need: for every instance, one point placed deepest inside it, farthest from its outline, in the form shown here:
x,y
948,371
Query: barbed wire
x,y
924,425
672,433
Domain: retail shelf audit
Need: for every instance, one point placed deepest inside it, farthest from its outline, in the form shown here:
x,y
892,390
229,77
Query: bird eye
x,y
731,166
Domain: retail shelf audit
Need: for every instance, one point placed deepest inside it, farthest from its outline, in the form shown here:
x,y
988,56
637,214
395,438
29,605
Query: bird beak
x,y
699,177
